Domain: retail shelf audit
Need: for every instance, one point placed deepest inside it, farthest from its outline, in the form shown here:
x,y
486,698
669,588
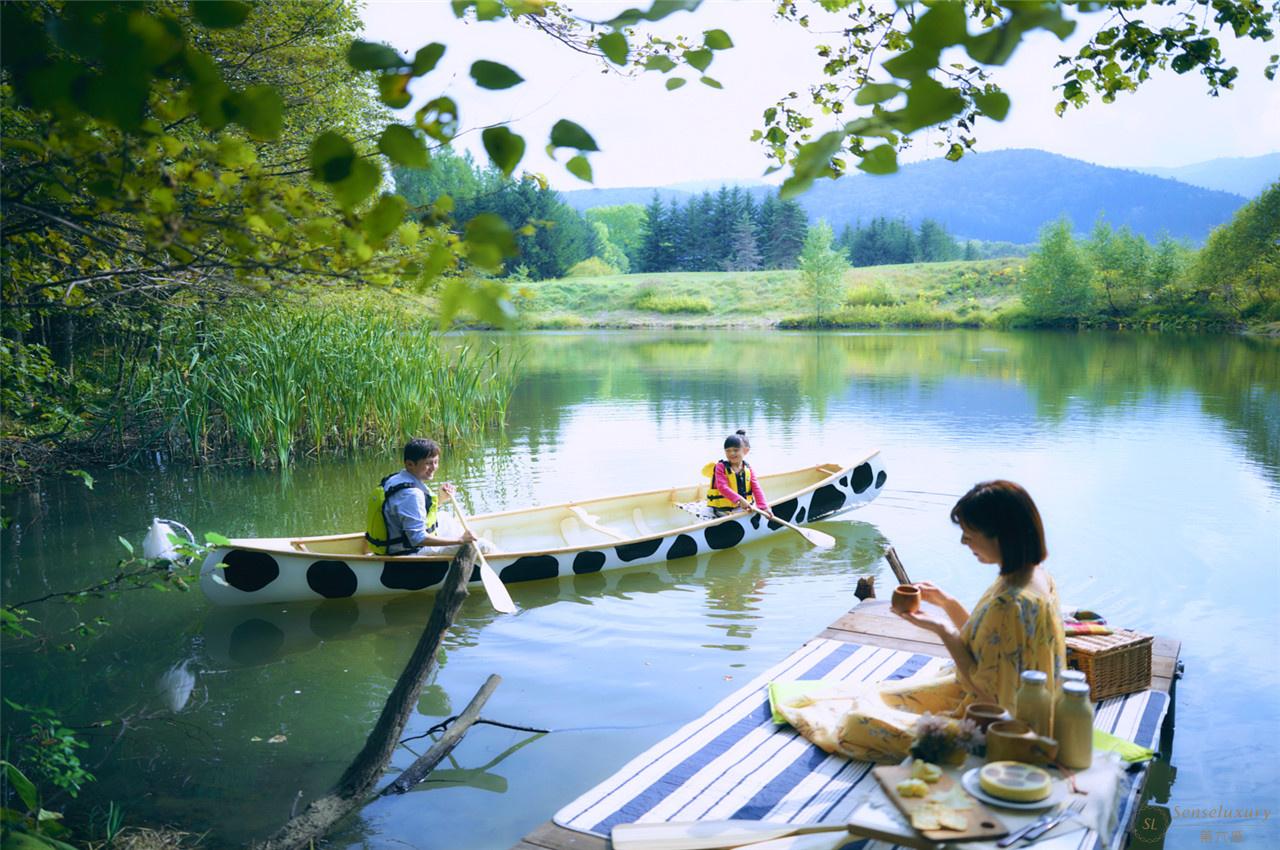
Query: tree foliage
x,y
822,269
1240,264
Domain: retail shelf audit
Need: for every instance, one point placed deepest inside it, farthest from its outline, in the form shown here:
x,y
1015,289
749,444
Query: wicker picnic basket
x,y
1114,664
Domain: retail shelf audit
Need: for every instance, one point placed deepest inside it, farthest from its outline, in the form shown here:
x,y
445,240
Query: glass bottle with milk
x,y
1033,704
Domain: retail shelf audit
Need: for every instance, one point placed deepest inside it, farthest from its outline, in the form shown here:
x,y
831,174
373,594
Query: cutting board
x,y
982,822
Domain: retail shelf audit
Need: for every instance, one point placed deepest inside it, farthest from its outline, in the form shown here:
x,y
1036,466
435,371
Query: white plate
x,y
1057,793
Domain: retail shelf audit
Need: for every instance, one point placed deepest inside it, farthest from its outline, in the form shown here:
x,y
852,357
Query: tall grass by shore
x,y
268,384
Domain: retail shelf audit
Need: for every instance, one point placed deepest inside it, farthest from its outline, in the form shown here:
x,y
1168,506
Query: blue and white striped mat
x,y
734,762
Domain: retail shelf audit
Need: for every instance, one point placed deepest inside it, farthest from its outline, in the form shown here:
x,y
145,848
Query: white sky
x,y
651,137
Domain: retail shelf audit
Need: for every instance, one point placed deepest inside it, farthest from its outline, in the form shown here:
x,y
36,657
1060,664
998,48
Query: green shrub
x,y
870,295
650,301
591,267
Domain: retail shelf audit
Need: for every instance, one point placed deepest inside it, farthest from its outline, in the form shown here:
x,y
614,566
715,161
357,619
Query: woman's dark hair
x,y
737,440
419,448
1003,510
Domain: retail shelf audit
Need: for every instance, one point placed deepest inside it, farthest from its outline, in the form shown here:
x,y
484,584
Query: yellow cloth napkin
x,y
1128,750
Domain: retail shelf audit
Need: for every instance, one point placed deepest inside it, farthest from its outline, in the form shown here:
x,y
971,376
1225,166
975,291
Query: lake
x,y
1155,461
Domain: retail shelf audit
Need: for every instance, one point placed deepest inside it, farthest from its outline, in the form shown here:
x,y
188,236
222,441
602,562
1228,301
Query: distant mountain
x,y
1246,176
585,199
998,196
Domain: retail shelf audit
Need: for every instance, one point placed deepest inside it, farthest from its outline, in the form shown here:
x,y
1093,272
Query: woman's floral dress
x,y
1011,629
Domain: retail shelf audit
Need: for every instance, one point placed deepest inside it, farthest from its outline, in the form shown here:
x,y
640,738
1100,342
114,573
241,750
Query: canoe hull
x,y
262,570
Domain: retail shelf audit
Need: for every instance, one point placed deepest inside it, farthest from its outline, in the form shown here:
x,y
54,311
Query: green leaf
x,y
566,134
215,539
504,147
128,547
994,105
876,93
955,151
675,82
928,103
83,476
403,146
614,46
331,157
657,10
494,75
880,160
699,59
220,14
426,59
386,215
393,90
941,26
717,39
369,56
358,185
438,119
580,168
25,787
659,62
812,160
260,110
708,81
489,239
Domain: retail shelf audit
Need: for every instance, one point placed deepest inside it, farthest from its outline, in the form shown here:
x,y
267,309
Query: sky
x,y
651,137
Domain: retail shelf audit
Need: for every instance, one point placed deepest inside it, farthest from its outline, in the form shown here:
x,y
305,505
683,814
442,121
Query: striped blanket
x,y
734,762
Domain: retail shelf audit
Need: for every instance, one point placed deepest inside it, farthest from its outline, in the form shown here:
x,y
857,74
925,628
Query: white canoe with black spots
x,y
574,538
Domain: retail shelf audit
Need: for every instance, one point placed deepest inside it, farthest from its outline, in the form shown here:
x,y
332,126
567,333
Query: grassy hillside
x,y
919,294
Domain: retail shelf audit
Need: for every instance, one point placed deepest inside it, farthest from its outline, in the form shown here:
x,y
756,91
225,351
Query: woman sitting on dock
x,y
1015,626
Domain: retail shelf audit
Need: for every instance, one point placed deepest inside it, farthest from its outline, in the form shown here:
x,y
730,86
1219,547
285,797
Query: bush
x,y
591,267
870,295
650,301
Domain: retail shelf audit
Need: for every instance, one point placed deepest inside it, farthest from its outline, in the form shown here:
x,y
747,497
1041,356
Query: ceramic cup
x,y
1013,740
906,598
985,713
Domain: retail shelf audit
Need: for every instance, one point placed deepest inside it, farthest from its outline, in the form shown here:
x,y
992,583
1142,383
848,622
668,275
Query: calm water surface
x,y
1155,461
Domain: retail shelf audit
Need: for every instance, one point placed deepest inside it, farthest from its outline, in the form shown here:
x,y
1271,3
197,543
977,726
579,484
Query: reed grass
x,y
270,383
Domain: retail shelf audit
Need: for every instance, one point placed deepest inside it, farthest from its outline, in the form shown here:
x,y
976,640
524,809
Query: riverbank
x,y
957,294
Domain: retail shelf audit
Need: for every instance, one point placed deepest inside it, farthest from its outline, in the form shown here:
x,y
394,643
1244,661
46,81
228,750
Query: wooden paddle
x,y
489,577
817,538
708,834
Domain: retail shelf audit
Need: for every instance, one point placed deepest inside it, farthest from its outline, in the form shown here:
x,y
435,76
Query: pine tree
x,y
743,255
783,243
936,245
652,251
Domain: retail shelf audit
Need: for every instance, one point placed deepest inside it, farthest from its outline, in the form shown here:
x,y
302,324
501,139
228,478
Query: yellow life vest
x,y
376,517
741,482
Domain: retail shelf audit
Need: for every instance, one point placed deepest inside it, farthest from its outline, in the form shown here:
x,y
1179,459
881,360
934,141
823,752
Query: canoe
x,y
574,538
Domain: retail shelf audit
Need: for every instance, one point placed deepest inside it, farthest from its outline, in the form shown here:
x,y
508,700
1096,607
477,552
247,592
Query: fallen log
x,y
423,764
355,786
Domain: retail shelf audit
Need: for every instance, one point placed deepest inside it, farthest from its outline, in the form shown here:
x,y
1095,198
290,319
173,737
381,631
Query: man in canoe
x,y
733,485
403,512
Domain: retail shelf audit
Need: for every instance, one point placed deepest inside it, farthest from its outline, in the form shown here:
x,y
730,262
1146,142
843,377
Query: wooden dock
x,y
871,623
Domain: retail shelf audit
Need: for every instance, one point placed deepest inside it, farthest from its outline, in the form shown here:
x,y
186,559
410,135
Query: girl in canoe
x,y
733,485
1016,625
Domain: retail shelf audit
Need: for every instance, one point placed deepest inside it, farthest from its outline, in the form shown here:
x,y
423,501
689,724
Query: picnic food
x,y
913,788
1014,781
921,769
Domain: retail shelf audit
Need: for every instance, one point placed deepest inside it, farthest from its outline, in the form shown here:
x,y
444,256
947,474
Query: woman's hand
x,y
924,621
931,593
447,492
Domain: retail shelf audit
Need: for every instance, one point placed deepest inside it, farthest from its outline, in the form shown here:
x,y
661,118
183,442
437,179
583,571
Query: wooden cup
x,y
985,713
1013,740
906,599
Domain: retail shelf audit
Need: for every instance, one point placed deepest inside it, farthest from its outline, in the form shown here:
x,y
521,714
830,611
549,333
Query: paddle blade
x,y
497,591
707,835
818,538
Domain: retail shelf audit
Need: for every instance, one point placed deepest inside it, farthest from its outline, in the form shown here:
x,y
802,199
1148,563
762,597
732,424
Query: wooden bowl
x,y
906,598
